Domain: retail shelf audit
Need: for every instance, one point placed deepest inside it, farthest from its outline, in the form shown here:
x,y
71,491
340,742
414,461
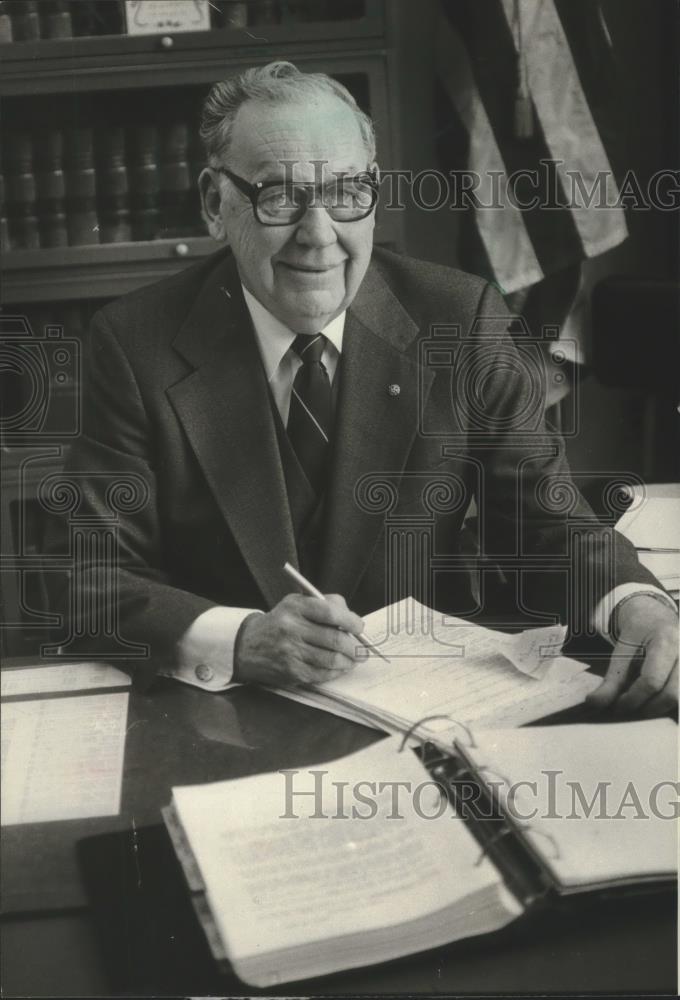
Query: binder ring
x,y
527,828
548,836
493,771
503,832
410,731
431,718
437,766
468,732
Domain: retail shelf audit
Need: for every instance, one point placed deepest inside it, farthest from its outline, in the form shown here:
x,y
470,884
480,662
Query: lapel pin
x,y
394,389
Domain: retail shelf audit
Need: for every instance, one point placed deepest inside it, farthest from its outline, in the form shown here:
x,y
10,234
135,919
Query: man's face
x,y
308,272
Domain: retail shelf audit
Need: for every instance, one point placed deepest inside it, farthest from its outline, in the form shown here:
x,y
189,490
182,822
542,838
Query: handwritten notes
x,y
446,667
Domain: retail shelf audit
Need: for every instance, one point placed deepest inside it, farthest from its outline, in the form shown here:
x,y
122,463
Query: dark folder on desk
x,y
150,939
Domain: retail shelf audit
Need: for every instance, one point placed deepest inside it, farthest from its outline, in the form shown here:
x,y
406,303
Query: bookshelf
x,y
126,81
63,257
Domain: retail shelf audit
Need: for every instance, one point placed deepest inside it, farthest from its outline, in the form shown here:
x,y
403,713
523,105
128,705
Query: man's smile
x,y
310,268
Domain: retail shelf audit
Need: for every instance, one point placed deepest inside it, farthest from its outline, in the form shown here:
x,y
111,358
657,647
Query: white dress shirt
x,y
205,653
281,364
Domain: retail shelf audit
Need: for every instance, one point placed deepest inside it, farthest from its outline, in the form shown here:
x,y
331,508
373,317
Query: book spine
x,y
231,14
175,178
25,21
80,183
113,190
294,11
56,20
97,17
4,226
6,34
144,182
263,12
83,18
51,190
21,193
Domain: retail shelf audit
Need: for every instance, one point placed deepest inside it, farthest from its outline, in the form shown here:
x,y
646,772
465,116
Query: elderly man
x,y
254,391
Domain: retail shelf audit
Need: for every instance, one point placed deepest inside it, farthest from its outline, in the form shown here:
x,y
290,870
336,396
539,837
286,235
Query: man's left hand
x,y
647,630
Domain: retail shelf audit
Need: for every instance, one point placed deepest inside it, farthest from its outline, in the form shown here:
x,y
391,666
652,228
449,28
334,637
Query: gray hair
x,y
277,82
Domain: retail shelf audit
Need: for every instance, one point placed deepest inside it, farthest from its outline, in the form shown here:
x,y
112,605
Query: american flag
x,y
525,85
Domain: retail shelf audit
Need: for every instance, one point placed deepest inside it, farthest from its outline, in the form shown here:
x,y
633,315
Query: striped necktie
x,y
311,411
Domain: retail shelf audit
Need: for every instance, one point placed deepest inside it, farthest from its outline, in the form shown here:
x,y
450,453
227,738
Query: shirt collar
x,y
274,338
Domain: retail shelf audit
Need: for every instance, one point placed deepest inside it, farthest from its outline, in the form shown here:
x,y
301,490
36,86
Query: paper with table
x,y
652,524
53,678
453,670
62,758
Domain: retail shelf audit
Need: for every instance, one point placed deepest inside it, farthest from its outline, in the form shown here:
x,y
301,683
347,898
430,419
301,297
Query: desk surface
x,y
179,735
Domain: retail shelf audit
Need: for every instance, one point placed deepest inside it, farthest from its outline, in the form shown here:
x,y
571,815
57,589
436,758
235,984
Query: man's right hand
x,y
303,640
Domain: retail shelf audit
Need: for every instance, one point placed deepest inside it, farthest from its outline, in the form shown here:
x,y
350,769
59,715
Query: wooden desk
x,y
178,735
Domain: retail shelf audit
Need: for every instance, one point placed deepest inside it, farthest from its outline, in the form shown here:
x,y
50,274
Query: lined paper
x,y
653,521
57,677
62,758
447,667
598,802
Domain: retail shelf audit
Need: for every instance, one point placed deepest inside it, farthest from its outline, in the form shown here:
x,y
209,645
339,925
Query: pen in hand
x,y
311,590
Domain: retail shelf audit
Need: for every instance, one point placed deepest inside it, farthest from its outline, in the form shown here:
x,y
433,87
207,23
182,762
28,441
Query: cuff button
x,y
204,672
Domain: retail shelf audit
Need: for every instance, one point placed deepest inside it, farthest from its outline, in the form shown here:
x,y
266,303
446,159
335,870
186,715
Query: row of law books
x,y
31,21
70,187
34,20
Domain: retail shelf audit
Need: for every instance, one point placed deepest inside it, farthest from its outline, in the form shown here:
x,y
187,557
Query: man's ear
x,y
211,204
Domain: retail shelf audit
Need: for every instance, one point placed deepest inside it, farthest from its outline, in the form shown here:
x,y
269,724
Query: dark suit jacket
x,y
176,396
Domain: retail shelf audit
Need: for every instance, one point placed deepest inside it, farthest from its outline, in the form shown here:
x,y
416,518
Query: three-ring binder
x,y
502,842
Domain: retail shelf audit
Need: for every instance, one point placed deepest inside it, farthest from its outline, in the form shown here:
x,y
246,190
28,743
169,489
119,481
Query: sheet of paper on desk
x,y
665,566
397,628
441,666
652,522
53,678
62,758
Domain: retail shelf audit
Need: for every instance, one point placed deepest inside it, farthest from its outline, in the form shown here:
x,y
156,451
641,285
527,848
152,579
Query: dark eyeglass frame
x,y
252,192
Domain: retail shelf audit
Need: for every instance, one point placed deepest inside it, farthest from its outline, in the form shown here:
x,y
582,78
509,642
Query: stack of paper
x,y
285,894
444,671
652,524
62,755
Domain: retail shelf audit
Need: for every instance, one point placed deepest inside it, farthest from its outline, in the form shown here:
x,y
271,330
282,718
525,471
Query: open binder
x,y
474,869
530,857
498,840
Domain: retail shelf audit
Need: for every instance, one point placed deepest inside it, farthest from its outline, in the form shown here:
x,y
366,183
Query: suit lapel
x,y
225,409
374,429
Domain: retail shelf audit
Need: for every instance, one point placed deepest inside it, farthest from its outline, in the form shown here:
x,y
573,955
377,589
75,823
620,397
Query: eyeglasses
x,y
283,203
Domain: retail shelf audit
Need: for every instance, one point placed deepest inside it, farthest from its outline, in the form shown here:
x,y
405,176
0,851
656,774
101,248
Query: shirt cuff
x,y
605,607
205,653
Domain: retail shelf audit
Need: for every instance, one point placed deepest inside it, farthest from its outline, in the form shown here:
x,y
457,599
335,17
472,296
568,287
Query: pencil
x,y
311,590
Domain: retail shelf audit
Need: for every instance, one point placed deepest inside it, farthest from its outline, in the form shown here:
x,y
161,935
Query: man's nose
x,y
315,228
